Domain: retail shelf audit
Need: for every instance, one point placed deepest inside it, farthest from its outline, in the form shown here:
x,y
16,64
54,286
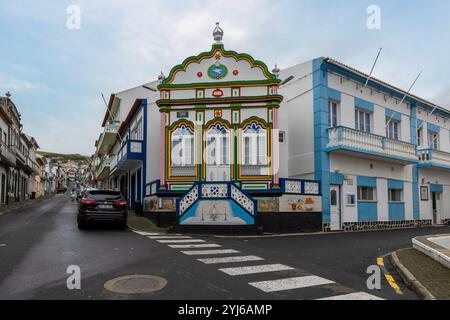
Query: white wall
x,y
297,119
382,198
154,156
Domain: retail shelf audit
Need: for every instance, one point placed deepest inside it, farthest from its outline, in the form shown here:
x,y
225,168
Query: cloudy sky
x,y
56,75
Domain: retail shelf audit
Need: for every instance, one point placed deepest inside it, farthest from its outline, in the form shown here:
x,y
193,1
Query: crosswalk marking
x,y
208,252
255,269
193,246
353,296
181,241
169,237
146,233
290,283
230,259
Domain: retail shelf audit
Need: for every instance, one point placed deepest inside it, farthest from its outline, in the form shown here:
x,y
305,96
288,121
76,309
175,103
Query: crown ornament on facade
x,y
218,34
276,71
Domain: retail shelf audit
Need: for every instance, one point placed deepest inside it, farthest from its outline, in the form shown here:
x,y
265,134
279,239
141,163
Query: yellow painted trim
x,y
380,262
168,150
393,284
269,150
206,128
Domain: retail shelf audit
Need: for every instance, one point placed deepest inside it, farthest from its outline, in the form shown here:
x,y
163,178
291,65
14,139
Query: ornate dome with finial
x,y
218,34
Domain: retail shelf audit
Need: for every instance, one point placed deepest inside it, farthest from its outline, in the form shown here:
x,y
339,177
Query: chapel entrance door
x,y
218,154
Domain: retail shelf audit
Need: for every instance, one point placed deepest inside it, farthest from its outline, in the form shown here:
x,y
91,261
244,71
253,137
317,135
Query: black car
x,y
102,206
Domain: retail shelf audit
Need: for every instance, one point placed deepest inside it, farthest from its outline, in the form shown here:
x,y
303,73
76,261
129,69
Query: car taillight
x,y
89,202
120,204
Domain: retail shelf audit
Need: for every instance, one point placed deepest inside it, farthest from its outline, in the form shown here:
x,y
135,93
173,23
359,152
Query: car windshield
x,y
103,195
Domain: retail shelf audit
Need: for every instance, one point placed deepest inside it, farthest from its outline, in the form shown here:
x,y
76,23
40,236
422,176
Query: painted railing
x,y
297,186
108,136
434,156
7,154
19,154
370,143
216,190
105,164
183,171
254,170
112,127
131,150
113,164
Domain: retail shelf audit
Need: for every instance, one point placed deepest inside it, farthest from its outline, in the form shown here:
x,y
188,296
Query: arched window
x,y
182,142
218,140
254,145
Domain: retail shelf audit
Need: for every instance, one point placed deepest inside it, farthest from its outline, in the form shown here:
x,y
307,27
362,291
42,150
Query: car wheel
x,y
123,226
81,225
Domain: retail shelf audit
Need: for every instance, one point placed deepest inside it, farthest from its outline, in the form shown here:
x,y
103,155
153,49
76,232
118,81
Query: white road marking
x,y
193,246
255,269
181,241
354,296
146,233
290,283
230,259
169,237
207,252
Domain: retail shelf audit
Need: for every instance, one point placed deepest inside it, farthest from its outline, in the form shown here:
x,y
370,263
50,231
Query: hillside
x,y
63,157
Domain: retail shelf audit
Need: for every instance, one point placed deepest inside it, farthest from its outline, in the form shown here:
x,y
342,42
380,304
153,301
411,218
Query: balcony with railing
x,y
19,154
108,137
349,140
434,158
7,156
103,169
130,154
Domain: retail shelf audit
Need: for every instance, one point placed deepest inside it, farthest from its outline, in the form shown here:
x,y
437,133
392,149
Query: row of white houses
x,y
223,141
22,171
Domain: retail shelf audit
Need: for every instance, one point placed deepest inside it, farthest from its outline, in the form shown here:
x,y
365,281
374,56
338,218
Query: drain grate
x,y
135,284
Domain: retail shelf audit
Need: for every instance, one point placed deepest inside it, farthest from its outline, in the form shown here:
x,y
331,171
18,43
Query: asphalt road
x,y
39,243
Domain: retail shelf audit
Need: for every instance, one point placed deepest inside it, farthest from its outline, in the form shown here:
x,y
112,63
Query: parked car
x,y
97,206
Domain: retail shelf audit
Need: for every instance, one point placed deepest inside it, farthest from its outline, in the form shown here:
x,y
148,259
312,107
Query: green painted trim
x,y
210,54
168,108
228,124
253,118
254,187
205,85
180,186
270,99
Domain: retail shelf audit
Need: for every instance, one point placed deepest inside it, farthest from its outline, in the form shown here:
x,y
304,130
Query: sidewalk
x,y
140,223
425,276
22,204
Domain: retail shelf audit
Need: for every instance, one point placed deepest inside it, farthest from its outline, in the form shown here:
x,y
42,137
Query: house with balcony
x,y
109,143
380,153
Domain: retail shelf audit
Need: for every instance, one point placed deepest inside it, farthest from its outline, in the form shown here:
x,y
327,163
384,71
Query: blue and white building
x,y
381,164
